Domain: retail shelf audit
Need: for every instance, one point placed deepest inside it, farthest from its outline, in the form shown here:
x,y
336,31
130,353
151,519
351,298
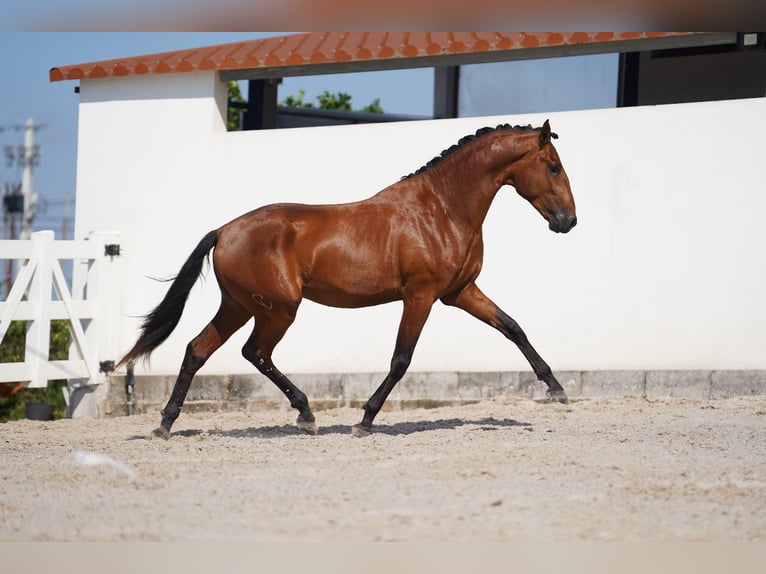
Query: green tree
x,y
12,350
324,101
329,101
340,101
296,101
374,107
234,112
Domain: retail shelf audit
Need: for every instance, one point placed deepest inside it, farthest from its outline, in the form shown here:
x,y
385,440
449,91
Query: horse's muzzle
x,y
562,222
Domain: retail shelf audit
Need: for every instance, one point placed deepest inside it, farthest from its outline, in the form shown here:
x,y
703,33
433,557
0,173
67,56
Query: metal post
x,y
446,91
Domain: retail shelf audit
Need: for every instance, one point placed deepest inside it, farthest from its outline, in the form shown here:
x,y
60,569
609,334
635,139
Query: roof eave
x,y
282,60
466,58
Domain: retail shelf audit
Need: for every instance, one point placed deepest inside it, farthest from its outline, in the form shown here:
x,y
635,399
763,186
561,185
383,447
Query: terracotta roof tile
x,y
278,54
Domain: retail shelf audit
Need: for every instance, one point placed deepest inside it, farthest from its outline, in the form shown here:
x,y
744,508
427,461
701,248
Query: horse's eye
x,y
555,169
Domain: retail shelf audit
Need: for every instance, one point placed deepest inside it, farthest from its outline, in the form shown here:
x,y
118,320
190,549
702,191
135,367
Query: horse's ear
x,y
545,134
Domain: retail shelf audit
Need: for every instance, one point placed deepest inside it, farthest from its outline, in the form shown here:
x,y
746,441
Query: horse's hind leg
x,y
229,318
268,331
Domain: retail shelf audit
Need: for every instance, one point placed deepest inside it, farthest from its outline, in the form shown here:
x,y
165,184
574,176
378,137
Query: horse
x,y
418,240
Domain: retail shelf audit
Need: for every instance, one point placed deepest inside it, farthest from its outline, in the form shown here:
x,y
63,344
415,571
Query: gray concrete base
x,y
255,392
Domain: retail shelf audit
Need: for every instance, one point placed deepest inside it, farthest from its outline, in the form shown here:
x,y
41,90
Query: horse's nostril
x,y
573,222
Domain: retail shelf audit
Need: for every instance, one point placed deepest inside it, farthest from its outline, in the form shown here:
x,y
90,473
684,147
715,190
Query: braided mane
x,y
471,137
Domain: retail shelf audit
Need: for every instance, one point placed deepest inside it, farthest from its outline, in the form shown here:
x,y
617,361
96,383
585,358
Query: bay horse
x,y
418,240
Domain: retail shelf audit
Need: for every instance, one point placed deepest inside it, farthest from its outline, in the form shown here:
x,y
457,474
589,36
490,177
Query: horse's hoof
x,y
360,431
160,432
557,397
309,427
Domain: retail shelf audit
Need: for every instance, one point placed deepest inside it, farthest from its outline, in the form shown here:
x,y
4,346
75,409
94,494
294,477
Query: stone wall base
x,y
426,389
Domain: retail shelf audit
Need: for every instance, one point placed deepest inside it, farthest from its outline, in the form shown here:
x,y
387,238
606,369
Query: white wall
x,y
665,270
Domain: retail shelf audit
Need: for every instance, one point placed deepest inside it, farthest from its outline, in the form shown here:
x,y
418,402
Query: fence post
x,y
105,277
37,349
97,281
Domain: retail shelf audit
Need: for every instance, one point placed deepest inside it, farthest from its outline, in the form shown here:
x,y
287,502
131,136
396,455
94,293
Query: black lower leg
x,y
372,407
189,367
555,390
543,372
414,315
298,399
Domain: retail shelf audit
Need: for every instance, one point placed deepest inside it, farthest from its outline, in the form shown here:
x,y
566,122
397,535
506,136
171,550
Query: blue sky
x,y
28,56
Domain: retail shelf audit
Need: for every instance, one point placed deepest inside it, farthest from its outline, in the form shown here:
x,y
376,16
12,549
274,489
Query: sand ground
x,y
626,469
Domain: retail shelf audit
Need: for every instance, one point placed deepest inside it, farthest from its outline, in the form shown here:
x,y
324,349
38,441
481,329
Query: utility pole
x,y
20,200
12,207
29,158
65,218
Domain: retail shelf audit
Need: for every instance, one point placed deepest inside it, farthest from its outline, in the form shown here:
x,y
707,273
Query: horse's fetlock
x,y
169,415
300,402
545,374
171,411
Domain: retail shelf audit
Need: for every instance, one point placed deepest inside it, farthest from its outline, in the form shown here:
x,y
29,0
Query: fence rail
x,y
40,293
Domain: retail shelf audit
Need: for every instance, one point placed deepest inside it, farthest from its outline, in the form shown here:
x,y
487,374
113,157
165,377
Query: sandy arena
x,y
626,469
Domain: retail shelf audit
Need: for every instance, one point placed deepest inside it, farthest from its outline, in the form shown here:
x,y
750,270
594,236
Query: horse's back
x,y
339,255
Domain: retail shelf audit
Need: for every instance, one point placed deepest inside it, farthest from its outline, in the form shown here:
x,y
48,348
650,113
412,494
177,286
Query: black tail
x,y
158,324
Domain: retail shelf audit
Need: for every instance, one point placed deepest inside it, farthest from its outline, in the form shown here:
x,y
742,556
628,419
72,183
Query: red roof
x,y
311,52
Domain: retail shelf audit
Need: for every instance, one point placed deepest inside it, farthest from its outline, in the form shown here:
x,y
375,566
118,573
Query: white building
x,y
665,270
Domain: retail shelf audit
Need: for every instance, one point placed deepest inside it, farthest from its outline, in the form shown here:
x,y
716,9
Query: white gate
x,y
40,293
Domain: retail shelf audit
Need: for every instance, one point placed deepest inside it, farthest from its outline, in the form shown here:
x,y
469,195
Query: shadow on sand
x,y
396,429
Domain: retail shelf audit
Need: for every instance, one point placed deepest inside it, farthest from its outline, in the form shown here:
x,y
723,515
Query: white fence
x,y
41,293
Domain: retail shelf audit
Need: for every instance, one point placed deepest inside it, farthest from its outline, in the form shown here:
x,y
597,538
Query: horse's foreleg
x,y
472,300
267,333
413,318
224,324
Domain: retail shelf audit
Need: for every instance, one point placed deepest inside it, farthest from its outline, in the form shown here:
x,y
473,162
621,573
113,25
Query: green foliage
x,y
14,408
296,101
327,101
340,101
60,340
374,107
12,348
233,113
12,351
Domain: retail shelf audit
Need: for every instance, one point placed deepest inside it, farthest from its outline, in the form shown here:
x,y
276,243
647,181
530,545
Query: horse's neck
x,y
465,199
467,182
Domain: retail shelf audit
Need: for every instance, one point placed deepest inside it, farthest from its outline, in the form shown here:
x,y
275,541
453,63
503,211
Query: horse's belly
x,y
337,296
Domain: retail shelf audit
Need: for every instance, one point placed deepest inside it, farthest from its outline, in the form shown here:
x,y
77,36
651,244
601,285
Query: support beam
x,y
446,85
262,104
627,80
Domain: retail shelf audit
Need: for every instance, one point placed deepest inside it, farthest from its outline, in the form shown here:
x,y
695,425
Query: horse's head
x,y
539,177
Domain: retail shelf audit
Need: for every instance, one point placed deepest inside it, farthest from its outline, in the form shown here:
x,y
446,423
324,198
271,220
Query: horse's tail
x,y
158,324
